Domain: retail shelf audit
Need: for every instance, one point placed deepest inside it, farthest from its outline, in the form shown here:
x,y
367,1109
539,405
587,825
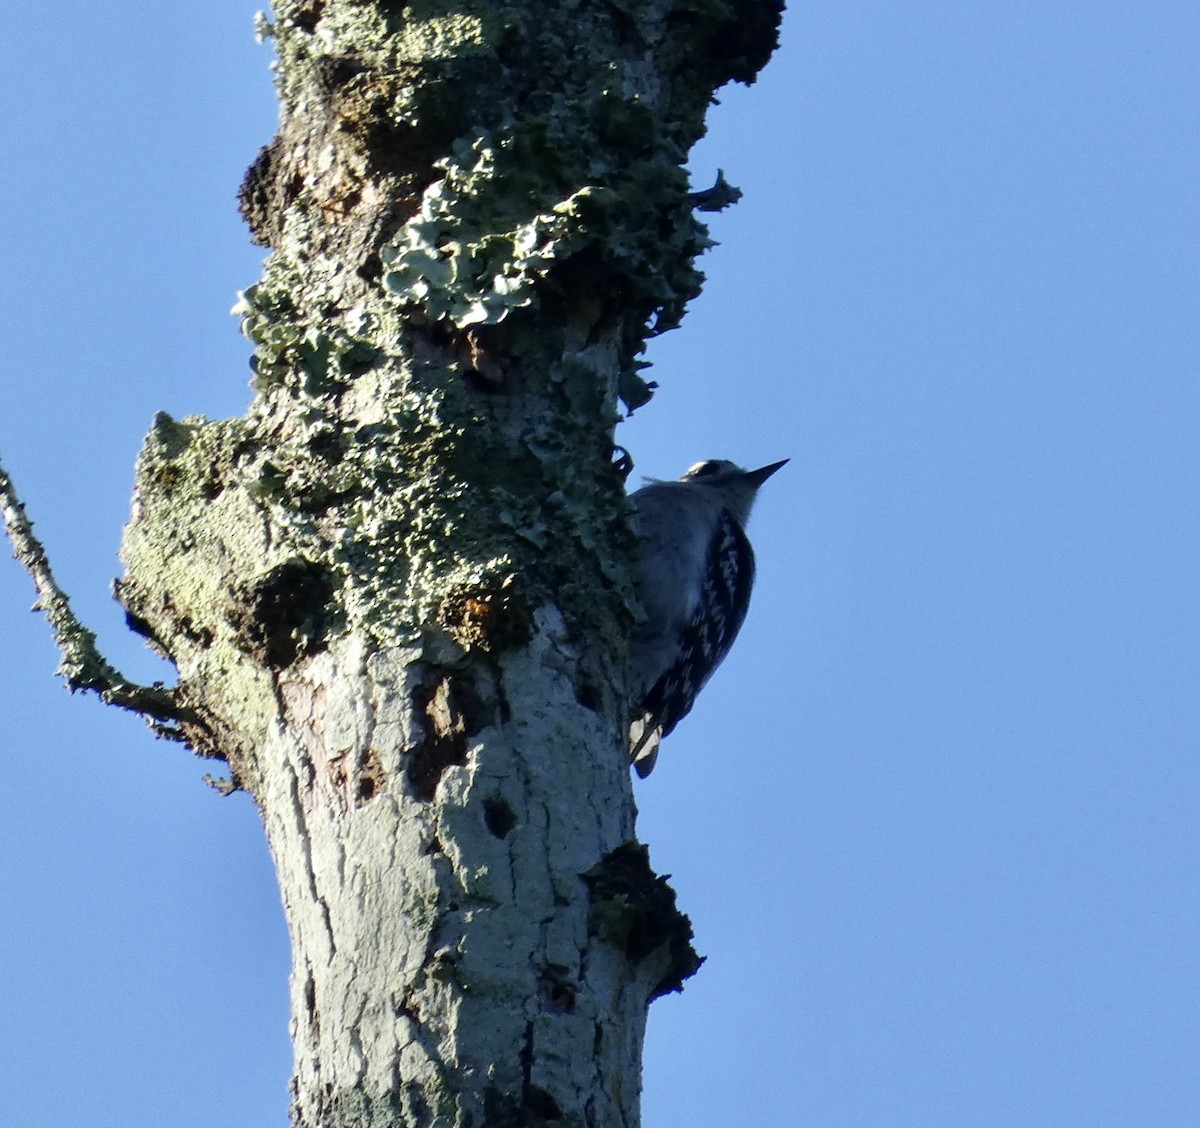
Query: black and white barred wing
x,y
704,642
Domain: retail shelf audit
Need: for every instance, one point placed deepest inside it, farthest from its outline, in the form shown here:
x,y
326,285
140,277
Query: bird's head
x,y
735,486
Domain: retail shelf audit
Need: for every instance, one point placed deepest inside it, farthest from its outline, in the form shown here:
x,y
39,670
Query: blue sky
x,y
936,819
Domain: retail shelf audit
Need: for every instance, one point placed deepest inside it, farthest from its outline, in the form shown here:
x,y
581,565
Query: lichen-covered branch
x,y
81,664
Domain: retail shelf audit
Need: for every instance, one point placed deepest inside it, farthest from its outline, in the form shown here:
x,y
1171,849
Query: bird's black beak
x,y
764,472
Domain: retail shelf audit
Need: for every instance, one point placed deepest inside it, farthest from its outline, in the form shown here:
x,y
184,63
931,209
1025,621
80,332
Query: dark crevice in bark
x,y
285,614
558,989
453,712
499,816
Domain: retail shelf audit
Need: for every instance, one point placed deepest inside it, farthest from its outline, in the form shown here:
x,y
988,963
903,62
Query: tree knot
x,y
634,909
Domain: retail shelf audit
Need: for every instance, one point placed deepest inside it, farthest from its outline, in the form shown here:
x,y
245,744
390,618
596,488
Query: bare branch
x,y
81,664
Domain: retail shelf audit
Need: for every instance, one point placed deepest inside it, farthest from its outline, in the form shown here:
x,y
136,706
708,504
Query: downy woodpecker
x,y
693,576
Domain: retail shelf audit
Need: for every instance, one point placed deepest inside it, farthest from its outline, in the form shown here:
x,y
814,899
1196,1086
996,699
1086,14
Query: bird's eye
x,y
704,469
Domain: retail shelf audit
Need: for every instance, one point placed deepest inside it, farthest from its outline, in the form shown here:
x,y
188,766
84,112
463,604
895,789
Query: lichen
x,y
490,233
479,212
396,591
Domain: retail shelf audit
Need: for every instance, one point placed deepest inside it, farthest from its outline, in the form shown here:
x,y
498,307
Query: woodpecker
x,y
693,576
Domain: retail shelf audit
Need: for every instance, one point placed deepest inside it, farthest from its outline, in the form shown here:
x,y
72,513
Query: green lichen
x,y
194,528
510,209
481,279
315,359
463,196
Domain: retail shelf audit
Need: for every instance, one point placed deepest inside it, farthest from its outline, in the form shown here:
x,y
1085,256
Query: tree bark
x,y
396,591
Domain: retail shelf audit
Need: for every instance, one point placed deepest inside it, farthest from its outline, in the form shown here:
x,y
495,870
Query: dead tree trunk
x,y
395,591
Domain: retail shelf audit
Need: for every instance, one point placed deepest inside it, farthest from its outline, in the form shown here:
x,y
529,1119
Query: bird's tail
x,y
644,738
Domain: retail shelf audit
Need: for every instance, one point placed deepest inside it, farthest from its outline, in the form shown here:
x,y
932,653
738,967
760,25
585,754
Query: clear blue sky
x,y
936,819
